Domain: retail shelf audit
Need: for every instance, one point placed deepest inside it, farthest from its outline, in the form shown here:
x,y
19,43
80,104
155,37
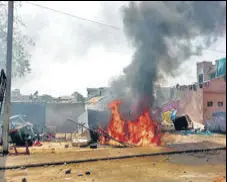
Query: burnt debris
x,y
182,123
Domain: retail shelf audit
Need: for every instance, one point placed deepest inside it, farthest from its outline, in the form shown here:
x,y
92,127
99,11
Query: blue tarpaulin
x,y
221,67
190,132
173,115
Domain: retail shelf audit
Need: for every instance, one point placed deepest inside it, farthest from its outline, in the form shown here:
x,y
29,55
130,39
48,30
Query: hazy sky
x,y
71,54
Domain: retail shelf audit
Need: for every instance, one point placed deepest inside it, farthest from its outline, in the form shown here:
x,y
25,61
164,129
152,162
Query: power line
x,y
96,22
74,16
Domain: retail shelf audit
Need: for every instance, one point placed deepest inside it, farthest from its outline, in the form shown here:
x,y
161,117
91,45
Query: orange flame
x,y
141,132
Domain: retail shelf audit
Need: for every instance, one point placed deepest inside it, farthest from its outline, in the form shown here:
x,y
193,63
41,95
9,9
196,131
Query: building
x,y
16,96
205,101
206,70
93,92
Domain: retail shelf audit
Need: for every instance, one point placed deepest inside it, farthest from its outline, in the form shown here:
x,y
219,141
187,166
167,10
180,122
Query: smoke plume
x,y
164,35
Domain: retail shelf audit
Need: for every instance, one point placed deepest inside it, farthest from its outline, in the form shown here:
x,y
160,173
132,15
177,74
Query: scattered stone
x,y
87,173
24,180
185,172
80,174
68,171
67,178
66,145
94,146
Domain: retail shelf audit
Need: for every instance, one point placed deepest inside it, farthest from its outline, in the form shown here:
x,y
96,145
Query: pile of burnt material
x,y
183,123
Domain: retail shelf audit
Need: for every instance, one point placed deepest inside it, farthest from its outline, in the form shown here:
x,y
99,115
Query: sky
x,y
73,54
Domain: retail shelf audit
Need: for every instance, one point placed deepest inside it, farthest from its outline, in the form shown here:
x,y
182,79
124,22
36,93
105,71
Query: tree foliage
x,y
79,96
21,42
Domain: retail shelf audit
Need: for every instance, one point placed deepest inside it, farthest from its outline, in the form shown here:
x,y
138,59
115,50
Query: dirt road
x,y
201,167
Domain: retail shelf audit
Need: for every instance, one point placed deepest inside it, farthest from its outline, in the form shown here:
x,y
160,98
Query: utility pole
x,y
8,79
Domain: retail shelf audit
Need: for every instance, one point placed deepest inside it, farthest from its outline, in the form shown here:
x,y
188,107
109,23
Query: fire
x,y
143,131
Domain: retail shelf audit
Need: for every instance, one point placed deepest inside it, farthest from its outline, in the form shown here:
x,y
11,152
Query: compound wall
x,y
191,103
57,114
35,113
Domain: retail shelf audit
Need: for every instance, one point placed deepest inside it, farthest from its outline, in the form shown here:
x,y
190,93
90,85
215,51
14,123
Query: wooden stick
x,y
103,133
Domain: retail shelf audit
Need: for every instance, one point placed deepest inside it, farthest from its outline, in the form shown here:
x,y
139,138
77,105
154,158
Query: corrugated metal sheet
x,y
35,112
221,67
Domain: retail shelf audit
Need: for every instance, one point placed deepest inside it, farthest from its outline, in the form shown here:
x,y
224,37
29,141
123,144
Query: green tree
x,y
21,42
78,96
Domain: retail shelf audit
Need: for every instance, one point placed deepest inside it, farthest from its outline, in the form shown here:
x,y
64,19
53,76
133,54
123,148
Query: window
x,y
220,104
209,103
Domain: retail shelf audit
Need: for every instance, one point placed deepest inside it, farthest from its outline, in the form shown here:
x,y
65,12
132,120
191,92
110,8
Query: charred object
x,y
21,131
182,123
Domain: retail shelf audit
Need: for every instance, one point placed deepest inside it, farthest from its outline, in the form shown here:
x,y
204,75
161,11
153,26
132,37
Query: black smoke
x,y
164,35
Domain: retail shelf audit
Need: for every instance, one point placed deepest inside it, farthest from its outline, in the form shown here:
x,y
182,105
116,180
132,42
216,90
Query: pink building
x,y
214,97
205,102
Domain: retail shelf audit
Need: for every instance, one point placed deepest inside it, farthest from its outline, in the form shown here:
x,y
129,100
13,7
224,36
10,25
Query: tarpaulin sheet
x,y
189,132
221,67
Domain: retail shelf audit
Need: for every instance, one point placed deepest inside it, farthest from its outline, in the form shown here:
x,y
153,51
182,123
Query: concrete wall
x,y
35,113
168,109
185,101
165,95
180,101
51,115
57,113
191,103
